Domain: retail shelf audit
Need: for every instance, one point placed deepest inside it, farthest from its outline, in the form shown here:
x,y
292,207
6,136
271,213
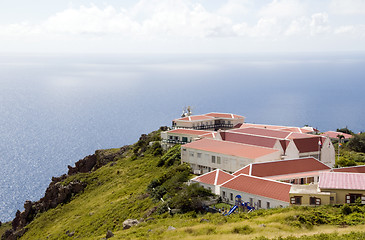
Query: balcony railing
x,y
210,126
173,141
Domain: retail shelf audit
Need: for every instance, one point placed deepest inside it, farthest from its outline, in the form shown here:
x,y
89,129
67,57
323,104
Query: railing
x,y
210,126
173,141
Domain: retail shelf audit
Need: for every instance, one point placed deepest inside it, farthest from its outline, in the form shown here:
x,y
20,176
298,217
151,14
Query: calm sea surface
x,y
54,110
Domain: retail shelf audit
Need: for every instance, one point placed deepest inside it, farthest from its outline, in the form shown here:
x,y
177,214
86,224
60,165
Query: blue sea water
x,y
56,109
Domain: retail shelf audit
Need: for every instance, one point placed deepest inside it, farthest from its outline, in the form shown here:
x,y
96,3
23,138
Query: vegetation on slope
x,y
132,187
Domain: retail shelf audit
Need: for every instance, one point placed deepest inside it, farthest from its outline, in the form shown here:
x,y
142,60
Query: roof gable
x,y
215,177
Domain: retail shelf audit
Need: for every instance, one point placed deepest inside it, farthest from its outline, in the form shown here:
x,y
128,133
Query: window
x,y
184,149
297,200
185,139
171,137
199,155
351,198
231,196
192,154
259,203
332,198
213,159
224,194
312,201
251,201
267,205
219,160
176,138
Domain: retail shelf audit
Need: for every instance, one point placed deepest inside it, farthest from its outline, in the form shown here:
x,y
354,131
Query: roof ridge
x,y
251,134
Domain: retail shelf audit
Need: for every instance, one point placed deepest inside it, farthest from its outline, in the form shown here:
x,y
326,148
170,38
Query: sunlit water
x,y
54,110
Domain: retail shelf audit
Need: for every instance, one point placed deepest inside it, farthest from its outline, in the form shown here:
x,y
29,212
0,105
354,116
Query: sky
x,y
181,26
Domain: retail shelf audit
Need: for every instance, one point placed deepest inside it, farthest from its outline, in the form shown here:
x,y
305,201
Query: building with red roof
x,y
295,171
209,121
335,135
259,192
212,180
333,188
354,169
306,145
207,154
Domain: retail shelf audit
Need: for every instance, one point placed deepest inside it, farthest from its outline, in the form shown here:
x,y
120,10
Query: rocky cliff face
x,y
58,193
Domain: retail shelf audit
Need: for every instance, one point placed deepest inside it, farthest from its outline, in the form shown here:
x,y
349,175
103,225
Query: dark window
x,y
213,159
312,201
352,198
297,200
259,203
268,205
184,139
224,194
231,196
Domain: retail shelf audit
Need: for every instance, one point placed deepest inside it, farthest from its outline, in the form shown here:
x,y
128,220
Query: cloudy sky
x,y
182,26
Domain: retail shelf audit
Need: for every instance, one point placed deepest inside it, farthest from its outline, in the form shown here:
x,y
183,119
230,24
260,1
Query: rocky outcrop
x,y
57,192
130,223
97,160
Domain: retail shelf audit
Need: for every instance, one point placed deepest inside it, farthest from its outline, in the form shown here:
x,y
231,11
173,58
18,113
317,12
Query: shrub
x,y
245,229
346,209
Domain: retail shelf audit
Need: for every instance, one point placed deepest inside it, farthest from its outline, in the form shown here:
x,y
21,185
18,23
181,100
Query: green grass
x,y
116,193
4,227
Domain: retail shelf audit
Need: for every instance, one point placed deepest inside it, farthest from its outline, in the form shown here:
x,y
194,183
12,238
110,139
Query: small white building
x,y
258,192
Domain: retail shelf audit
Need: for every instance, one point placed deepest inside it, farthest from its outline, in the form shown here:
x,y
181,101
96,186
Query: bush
x,y
190,198
346,209
357,143
171,157
245,229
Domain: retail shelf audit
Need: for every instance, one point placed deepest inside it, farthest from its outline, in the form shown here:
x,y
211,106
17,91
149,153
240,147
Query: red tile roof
x,y
195,118
215,177
305,145
223,115
230,148
263,132
341,180
355,169
249,139
333,134
284,167
259,186
190,131
209,116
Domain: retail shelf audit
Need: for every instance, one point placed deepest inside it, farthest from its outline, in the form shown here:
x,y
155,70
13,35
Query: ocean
x,y
56,109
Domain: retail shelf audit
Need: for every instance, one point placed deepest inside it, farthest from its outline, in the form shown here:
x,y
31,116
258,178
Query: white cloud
x,y
283,9
347,7
179,24
319,24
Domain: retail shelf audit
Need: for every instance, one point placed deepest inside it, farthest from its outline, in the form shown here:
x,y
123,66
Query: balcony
x,y
173,141
210,126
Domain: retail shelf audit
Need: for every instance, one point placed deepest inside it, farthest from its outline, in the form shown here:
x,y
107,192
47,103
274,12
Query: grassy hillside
x,y
118,191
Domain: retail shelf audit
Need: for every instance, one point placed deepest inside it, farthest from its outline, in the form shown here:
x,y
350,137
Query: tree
x,y
344,130
357,143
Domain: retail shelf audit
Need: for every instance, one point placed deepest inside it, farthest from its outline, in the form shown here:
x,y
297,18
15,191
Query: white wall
x,y
227,162
246,198
328,153
292,151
